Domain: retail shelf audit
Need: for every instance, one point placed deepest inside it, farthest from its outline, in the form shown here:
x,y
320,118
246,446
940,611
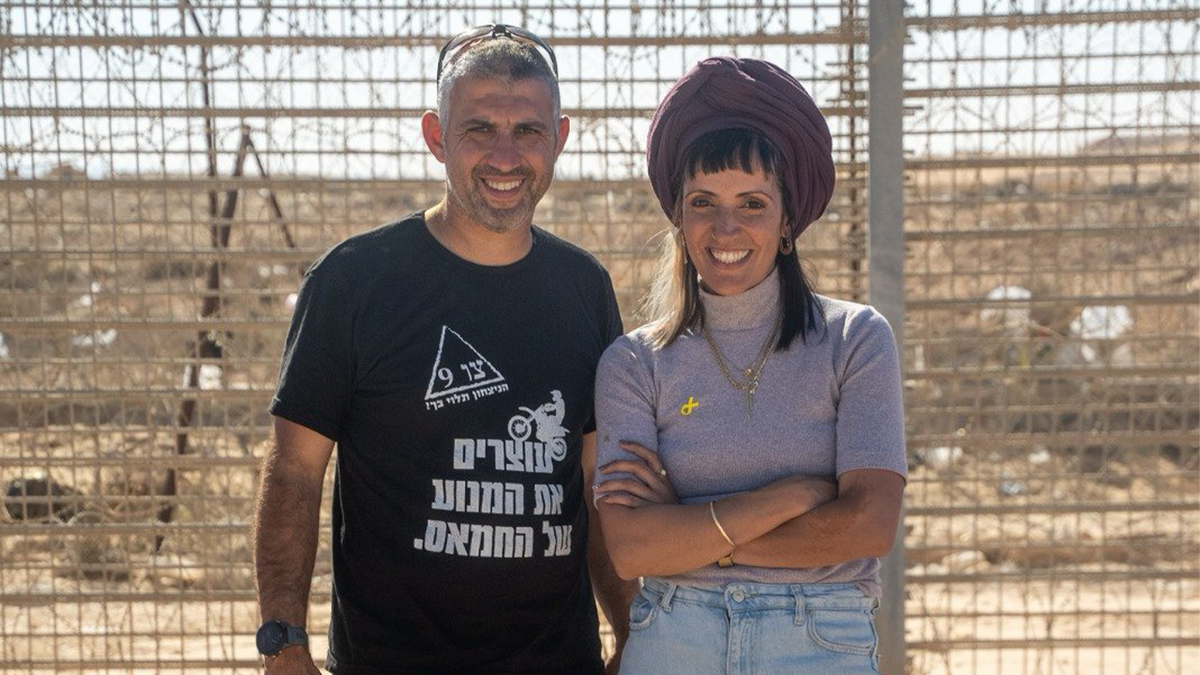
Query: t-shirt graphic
x,y
460,370
548,419
481,458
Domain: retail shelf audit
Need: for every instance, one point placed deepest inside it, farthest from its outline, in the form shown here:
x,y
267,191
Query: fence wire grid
x,y
171,168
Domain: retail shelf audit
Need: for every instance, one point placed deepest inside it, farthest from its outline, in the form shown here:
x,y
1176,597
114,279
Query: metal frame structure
x,y
1017,194
1051,310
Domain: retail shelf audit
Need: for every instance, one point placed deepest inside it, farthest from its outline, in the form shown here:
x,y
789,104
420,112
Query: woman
x,y
747,396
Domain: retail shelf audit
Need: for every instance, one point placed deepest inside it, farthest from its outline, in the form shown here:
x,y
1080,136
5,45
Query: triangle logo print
x,y
459,367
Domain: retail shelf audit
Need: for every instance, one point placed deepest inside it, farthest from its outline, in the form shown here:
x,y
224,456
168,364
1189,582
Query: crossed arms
x,y
790,523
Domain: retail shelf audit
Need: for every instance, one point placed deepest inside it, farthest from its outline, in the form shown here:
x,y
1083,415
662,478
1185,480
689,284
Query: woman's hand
x,y
647,482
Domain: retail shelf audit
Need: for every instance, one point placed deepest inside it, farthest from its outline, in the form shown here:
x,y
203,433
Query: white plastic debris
x,y
88,300
290,302
99,338
1039,456
1102,322
1010,486
278,270
3,347
940,458
209,379
1012,317
1013,488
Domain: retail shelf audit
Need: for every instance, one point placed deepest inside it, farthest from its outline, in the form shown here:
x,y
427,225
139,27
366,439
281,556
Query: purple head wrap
x,y
726,92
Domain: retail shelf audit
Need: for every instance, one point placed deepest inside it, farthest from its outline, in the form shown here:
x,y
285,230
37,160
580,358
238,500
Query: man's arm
x,y
286,525
859,523
613,593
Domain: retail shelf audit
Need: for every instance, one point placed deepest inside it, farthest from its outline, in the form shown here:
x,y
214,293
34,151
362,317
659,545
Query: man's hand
x,y
648,482
291,661
613,594
614,664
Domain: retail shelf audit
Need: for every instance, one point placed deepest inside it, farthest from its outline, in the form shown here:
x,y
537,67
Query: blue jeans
x,y
750,629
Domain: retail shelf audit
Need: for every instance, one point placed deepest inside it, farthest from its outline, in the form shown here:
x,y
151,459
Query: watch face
x,y
270,638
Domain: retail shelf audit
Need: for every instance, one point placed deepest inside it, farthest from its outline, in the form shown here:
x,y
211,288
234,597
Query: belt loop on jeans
x,y
798,593
665,600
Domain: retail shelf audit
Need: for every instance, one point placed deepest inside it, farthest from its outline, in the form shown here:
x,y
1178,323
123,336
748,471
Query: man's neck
x,y
472,241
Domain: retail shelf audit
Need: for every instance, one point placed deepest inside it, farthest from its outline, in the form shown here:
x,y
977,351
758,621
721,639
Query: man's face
x,y
499,146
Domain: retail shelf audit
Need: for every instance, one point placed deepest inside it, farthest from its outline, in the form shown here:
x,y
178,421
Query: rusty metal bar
x,y
1018,21
836,37
319,112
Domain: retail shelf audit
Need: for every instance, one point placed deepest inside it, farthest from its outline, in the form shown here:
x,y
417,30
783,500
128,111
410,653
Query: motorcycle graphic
x,y
547,418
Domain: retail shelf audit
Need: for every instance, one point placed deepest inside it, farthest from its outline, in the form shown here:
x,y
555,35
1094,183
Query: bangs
x,y
726,149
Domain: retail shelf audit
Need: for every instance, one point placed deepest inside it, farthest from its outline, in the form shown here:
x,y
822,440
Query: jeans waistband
x,y
747,596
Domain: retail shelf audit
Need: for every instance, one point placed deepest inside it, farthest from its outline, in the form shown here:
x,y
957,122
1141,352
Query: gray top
x,y
823,407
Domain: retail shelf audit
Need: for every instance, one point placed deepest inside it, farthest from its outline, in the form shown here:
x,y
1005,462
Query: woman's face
x,y
732,224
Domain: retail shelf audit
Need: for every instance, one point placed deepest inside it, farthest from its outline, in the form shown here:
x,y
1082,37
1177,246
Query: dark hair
x,y
743,149
497,58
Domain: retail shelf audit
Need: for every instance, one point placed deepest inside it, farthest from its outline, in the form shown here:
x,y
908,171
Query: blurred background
x,y
172,167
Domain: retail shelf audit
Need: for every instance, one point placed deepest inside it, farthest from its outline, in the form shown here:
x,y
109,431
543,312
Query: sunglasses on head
x,y
467,38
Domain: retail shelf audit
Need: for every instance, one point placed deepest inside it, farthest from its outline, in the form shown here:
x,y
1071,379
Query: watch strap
x,y
294,635
276,635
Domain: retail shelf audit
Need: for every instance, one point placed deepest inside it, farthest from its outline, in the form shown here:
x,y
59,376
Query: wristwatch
x,y
274,635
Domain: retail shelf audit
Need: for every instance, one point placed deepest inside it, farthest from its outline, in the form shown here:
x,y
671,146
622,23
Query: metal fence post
x,y
885,247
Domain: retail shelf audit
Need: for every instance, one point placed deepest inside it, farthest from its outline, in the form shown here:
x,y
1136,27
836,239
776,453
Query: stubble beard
x,y
498,220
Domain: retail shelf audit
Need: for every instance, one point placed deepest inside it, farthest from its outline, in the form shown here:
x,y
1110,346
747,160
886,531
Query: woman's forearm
x,y
860,523
665,539
823,536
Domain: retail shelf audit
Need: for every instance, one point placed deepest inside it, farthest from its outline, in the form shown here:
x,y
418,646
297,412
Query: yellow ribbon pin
x,y
687,408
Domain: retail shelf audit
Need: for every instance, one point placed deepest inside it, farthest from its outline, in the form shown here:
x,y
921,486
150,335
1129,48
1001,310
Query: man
x,y
459,546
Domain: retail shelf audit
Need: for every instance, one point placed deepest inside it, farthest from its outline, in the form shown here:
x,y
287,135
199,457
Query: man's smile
x,y
502,186
506,191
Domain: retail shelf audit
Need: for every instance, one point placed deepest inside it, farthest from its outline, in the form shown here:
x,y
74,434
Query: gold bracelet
x,y
712,510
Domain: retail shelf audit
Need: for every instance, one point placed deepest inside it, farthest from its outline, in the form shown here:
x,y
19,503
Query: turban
x,y
725,93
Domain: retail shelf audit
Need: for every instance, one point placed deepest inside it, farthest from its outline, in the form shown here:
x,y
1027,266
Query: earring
x,y
682,244
786,245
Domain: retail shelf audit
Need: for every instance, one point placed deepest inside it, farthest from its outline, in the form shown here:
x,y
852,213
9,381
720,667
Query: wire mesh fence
x,y
172,167
1052,345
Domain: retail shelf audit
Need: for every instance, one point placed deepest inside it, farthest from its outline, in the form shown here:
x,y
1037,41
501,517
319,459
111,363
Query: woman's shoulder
x,y
629,363
640,349
850,320
639,342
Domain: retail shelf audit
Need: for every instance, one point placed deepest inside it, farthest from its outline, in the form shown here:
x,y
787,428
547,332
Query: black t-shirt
x,y
458,395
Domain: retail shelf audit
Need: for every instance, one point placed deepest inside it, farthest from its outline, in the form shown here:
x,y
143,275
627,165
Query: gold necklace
x,y
753,372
